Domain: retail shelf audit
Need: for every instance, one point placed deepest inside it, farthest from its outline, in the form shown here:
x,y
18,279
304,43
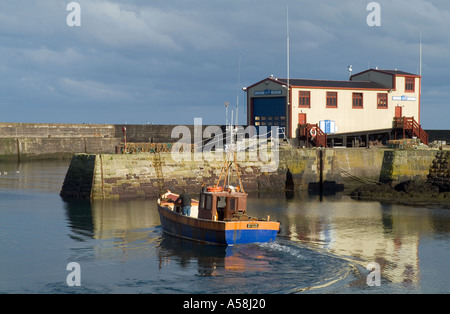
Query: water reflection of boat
x,y
212,260
209,258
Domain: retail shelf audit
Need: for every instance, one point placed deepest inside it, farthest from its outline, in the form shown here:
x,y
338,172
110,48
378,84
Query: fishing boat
x,y
219,216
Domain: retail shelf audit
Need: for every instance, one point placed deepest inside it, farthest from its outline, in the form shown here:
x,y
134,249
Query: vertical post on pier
x,y
124,129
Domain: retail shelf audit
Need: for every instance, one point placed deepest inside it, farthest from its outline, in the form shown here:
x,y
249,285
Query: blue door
x,y
269,112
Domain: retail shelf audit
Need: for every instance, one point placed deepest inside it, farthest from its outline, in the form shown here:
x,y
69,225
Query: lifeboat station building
x,y
372,106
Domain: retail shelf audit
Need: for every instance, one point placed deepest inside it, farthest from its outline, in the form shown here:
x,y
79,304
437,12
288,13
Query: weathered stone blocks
x,y
147,175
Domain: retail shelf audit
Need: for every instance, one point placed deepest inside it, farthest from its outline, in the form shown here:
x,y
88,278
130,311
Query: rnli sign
x,y
404,98
328,126
268,92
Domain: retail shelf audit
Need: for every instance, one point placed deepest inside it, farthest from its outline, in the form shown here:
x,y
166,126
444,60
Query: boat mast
x,y
420,55
230,157
287,45
238,90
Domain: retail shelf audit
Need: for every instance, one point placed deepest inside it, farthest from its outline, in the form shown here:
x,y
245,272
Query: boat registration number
x,y
252,225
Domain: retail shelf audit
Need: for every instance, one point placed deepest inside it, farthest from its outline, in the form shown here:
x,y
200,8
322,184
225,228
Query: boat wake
x,y
303,269
279,267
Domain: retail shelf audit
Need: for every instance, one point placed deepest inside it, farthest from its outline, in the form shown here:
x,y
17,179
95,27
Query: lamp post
x,y
124,129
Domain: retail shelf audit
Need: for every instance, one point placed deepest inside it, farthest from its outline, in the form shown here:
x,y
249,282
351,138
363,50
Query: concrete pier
x,y
28,141
146,174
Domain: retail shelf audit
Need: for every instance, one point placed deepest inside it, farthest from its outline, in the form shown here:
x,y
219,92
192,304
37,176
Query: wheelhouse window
x,y
382,101
232,202
331,99
409,84
202,200
209,202
304,99
357,101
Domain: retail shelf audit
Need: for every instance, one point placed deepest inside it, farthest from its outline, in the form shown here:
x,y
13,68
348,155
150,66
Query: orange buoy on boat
x,y
215,189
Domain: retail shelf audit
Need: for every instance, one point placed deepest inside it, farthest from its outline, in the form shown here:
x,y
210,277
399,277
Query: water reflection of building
x,y
114,218
364,232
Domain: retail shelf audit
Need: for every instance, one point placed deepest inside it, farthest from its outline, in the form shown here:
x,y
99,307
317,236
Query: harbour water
x,y
324,247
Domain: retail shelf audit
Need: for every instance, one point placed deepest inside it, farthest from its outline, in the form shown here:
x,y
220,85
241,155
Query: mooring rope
x,y
357,178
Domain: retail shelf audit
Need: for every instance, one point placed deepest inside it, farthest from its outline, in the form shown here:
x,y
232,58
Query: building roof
x,y
332,84
350,84
390,72
395,72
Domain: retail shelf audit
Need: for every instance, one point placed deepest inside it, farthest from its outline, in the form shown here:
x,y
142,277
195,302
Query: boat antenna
x,y
420,55
230,149
226,115
287,47
238,90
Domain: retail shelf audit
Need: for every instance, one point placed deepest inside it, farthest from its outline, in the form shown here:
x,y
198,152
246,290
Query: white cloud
x,y
47,57
93,91
118,26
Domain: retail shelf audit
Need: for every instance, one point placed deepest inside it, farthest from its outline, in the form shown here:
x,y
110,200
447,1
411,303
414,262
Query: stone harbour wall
x,y
148,174
25,141
403,165
360,165
30,141
440,171
53,148
78,182
58,130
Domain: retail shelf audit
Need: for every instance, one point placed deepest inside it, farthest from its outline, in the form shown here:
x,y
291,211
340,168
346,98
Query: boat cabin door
x,y
206,206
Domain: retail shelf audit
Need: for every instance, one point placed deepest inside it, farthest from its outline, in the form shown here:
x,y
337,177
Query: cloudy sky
x,y
168,61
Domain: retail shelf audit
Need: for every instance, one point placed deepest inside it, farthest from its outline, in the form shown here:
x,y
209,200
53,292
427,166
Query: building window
x,y
304,99
331,99
409,84
357,101
382,101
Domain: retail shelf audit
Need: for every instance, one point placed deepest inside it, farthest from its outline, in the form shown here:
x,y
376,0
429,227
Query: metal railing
x,y
409,124
313,133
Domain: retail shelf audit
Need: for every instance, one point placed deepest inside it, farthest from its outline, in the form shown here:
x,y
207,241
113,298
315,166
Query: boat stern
x,y
241,232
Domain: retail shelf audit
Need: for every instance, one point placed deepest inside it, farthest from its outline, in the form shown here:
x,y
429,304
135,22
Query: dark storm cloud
x,y
170,61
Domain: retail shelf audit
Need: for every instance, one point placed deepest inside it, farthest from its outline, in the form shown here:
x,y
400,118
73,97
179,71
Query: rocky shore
x,y
409,192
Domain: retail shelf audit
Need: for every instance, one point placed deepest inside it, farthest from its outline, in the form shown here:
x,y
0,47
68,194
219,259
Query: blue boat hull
x,y
217,232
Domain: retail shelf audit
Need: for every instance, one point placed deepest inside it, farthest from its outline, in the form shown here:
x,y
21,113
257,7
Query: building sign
x,y
404,98
268,92
328,126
